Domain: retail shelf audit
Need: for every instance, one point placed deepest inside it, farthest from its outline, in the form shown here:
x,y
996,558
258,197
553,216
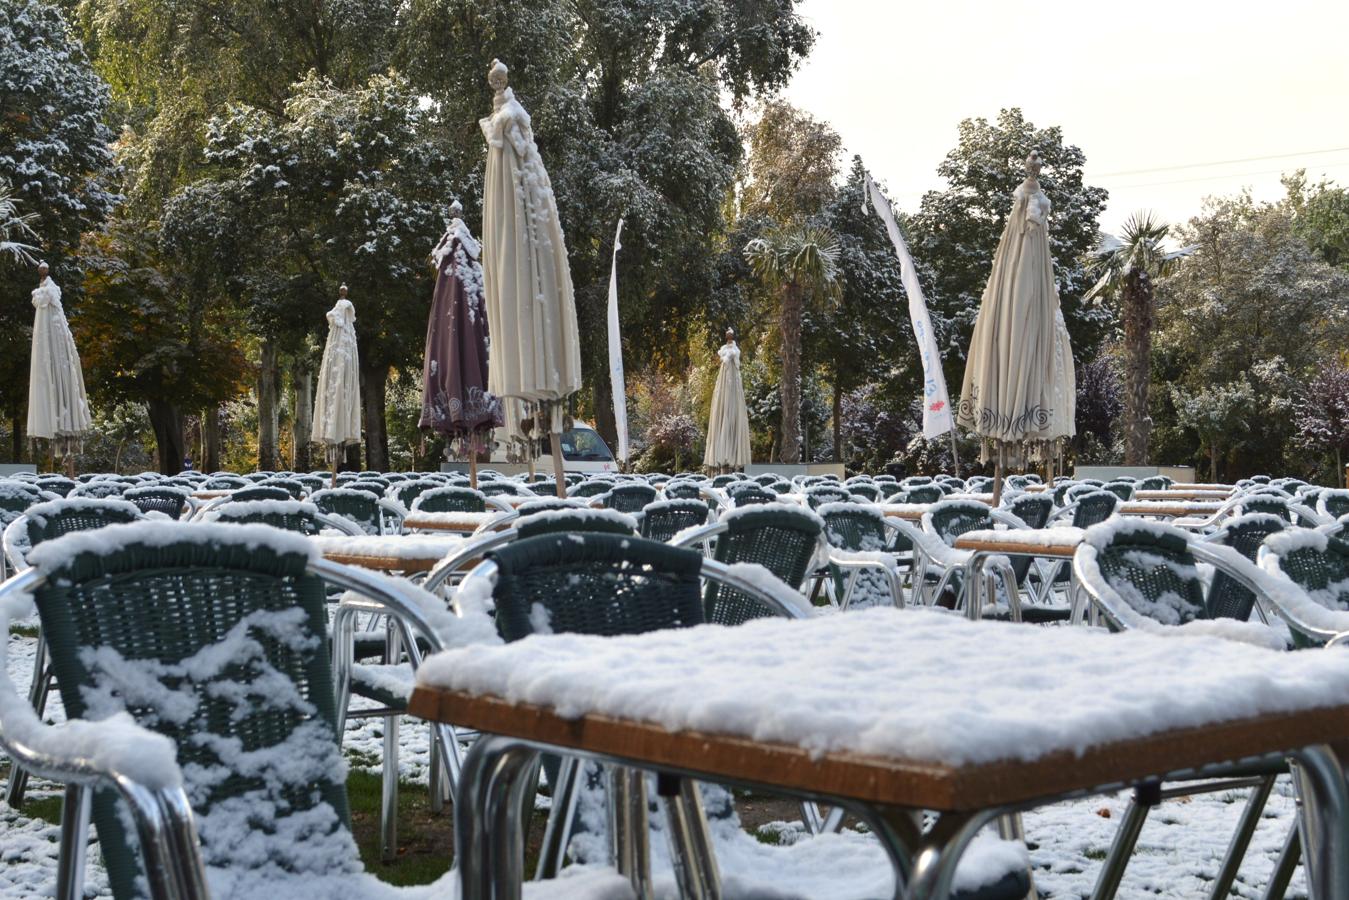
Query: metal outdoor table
x,y
389,552
1052,543
889,793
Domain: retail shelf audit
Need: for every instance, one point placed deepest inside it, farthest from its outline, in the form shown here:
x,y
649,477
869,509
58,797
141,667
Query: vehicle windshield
x,y
585,445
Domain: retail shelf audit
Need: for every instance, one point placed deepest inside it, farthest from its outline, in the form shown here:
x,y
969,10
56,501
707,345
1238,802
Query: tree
x,y
1320,216
1253,302
800,263
54,155
1128,266
14,225
1098,404
956,230
1219,414
1322,418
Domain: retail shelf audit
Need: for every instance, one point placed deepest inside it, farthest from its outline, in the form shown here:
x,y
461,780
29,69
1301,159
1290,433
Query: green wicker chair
x,y
764,479
357,507
56,484
923,493
663,519
451,499
288,515
294,487
1121,489
1313,565
1228,598
405,493
854,528
1268,504
164,499
99,489
820,494
784,541
257,492
867,491
629,498
1333,503
1154,483
722,480
255,757
678,490
1033,509
504,489
749,493
374,488
594,487
224,483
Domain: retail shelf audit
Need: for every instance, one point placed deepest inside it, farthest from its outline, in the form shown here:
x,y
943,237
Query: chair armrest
x,y
698,534
761,584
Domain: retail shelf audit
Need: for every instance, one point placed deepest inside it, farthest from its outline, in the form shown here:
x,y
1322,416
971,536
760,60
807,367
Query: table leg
x,y
1327,801
939,851
489,837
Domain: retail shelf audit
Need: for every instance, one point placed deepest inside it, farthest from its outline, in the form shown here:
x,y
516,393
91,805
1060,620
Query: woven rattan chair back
x,y
292,486
171,501
259,492
1033,509
604,584
451,499
664,519
407,492
1093,507
1226,598
629,498
1155,573
779,539
357,507
952,518
820,494
1267,504
299,519
163,604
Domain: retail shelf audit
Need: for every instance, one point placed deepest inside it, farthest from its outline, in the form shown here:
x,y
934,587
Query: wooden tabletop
x,y
1177,510
913,784
1188,494
1060,543
459,522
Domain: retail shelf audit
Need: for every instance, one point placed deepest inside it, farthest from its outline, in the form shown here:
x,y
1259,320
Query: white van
x,y
583,450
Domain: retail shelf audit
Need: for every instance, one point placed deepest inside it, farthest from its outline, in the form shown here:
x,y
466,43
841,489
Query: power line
x,y
1224,162
1120,187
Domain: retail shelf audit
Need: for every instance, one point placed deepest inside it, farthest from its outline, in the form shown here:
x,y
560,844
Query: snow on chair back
x,y
357,507
158,498
219,644
952,518
1226,598
628,497
781,538
451,499
664,519
1150,567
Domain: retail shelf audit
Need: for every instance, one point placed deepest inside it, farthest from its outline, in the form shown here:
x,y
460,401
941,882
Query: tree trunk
x,y
210,439
1339,468
1213,462
167,421
1138,298
267,409
17,425
838,421
374,378
791,374
302,429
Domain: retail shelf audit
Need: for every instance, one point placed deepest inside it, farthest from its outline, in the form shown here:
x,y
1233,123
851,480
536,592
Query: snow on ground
x,y
1180,848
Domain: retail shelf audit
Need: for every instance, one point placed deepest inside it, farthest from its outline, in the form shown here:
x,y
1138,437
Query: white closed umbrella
x,y
531,313
337,401
728,422
1019,393
58,410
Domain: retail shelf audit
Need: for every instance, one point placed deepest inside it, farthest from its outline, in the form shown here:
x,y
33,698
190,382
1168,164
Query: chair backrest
x,y
867,491
1033,509
160,498
1333,502
219,642
951,518
1226,598
288,515
451,499
978,483
571,519
292,486
504,488
678,490
1269,504
99,489
60,517
852,526
1093,507
260,492
629,497
1318,563
664,519
594,583
1018,482
765,478
224,483
15,498
590,488
748,493
1121,489
781,538
722,480
1154,483
923,493
407,492
313,483
56,484
357,507
820,494
1150,567
374,488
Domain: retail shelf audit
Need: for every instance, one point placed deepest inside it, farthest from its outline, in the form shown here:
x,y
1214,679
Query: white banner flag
x,y
936,404
616,355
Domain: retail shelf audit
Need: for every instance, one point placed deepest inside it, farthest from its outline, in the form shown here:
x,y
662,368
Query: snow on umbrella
x,y
1019,394
58,409
337,404
455,400
531,313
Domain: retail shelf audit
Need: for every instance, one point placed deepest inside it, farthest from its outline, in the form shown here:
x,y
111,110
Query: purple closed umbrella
x,y
455,401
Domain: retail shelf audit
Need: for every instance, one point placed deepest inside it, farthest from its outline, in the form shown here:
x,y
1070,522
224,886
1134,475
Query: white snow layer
x,y
968,684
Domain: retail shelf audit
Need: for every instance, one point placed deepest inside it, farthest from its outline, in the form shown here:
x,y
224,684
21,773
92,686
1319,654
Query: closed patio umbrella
x,y
58,410
531,313
337,401
455,399
1019,393
728,422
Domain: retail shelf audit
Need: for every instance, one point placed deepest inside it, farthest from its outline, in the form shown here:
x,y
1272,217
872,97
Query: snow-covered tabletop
x,y
389,552
1170,509
463,522
912,512
988,711
1060,542
1175,494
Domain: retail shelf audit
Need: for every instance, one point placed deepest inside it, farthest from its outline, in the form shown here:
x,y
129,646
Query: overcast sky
x,y
1190,98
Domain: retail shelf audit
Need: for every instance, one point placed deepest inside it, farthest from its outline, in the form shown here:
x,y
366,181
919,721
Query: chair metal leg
x,y
629,828
1145,797
436,775
1284,868
695,861
488,831
38,691
74,843
1241,839
388,795
557,833
1325,841
938,853
1012,827
344,650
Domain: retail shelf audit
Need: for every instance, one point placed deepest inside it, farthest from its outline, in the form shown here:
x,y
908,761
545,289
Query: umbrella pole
x,y
997,479
557,465
472,463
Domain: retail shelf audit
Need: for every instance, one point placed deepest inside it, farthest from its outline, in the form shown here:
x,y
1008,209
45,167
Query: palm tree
x,y
12,226
1128,266
800,262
